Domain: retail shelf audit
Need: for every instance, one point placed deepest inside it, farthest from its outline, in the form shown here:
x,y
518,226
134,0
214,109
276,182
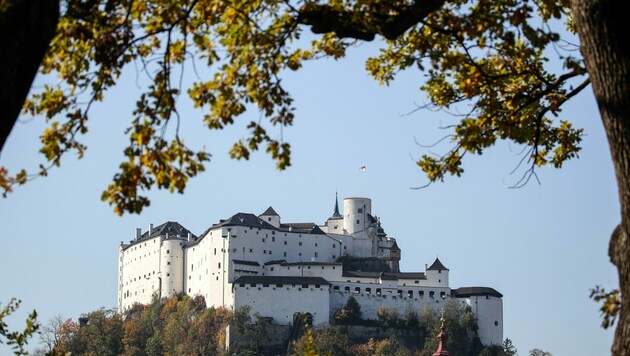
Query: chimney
x,y
167,236
426,266
138,233
150,229
189,236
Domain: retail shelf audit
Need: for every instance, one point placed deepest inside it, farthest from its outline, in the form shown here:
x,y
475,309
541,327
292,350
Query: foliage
x,y
611,304
539,352
349,314
488,58
326,341
459,324
507,349
16,339
174,326
384,347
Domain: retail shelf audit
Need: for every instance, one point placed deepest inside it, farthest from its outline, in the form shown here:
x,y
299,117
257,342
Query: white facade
x,y
279,269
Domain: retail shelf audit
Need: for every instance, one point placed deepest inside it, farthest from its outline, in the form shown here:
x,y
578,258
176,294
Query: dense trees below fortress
x,y
185,326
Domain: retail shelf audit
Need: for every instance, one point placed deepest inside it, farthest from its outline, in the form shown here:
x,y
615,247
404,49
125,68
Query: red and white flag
x,y
362,168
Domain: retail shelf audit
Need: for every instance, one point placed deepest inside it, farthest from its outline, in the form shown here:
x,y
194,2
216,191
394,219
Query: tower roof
x,y
336,214
437,265
270,211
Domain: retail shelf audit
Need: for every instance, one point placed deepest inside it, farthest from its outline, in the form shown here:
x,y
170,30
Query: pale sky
x,y
542,246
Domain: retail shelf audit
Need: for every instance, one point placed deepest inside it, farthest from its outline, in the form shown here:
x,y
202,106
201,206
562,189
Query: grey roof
x,y
281,280
306,228
395,247
309,263
411,275
366,274
371,218
275,262
172,229
269,211
437,265
385,275
244,219
243,262
336,215
475,291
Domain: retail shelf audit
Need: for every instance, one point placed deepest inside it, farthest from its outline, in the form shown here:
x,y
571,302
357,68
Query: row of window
x,y
400,292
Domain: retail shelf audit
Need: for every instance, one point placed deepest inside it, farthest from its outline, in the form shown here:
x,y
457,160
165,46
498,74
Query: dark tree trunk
x,y
603,27
26,29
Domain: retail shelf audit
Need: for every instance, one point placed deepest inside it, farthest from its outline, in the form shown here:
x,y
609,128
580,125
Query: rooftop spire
x,y
336,214
441,350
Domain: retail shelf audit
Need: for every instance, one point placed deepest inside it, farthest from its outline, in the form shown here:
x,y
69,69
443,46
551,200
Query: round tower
x,y
355,214
171,267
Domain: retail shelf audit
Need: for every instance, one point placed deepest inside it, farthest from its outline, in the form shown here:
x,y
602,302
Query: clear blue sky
x,y
542,246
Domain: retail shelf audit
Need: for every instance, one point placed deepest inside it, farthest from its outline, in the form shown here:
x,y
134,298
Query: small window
x,y
219,265
378,291
304,285
168,262
358,222
168,251
241,285
431,294
336,288
285,242
316,254
360,211
496,323
300,243
421,293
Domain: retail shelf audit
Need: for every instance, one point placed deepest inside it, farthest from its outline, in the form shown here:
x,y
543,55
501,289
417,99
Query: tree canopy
x,y
485,60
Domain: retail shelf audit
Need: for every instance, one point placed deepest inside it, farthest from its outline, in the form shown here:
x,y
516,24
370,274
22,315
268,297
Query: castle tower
x,y
335,222
356,211
437,274
270,216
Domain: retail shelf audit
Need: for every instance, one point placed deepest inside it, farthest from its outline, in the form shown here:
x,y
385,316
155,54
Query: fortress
x,y
279,269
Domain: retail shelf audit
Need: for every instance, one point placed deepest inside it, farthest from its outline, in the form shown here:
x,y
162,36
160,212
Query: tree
x,y
539,352
350,313
486,56
17,339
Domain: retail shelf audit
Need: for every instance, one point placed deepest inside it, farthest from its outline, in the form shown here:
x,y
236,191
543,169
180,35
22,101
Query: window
x,y
300,243
431,294
263,240
357,290
285,254
285,242
265,285
368,290
168,251
358,222
421,293
316,254
273,239
168,262
251,250
219,264
378,291
215,250
300,254
442,294
336,288
192,267
410,294
316,244
346,288
360,211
